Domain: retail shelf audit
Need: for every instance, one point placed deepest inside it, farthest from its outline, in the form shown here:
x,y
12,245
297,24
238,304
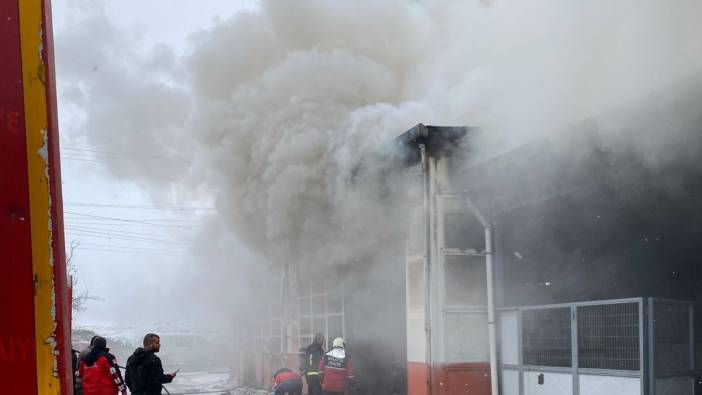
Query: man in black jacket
x,y
144,370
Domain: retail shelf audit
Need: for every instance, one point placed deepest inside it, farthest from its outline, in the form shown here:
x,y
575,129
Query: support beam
x,y
35,343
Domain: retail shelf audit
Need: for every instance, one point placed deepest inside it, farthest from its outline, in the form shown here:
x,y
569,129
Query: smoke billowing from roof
x,y
270,110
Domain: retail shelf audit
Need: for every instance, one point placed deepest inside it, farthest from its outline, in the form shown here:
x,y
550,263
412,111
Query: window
x,y
463,231
335,304
320,312
466,283
305,306
415,284
546,337
608,336
336,327
264,333
416,231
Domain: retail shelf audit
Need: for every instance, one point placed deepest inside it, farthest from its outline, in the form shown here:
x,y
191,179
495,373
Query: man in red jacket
x,y
335,369
99,371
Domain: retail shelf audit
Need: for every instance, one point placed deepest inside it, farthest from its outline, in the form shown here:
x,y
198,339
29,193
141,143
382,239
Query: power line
x,y
120,225
70,216
111,246
89,233
81,159
121,231
78,233
77,221
145,207
131,252
136,221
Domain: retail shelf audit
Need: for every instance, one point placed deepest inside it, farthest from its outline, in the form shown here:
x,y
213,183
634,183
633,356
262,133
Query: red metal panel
x,y
466,378
63,304
459,378
17,344
416,378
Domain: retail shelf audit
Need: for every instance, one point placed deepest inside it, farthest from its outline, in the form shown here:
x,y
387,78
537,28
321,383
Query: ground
x,y
208,383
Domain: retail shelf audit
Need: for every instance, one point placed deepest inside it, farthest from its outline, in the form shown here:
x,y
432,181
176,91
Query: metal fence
x,y
672,336
609,336
624,346
546,337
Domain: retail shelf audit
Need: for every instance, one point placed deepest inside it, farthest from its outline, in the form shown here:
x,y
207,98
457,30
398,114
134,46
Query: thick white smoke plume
x,y
272,109
289,98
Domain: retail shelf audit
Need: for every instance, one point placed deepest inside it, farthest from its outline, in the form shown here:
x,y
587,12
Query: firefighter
x,y
335,369
313,354
287,382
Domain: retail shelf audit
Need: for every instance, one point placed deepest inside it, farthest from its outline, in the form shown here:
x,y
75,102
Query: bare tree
x,y
79,300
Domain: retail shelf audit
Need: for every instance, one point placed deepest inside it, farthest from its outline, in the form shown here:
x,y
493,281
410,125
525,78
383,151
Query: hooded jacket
x,y
336,370
99,372
145,373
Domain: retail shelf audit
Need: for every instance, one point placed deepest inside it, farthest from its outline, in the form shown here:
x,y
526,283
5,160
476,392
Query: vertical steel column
x,y
651,379
427,266
643,352
574,348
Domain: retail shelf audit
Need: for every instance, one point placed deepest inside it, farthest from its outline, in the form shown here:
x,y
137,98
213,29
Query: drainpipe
x,y
427,267
490,294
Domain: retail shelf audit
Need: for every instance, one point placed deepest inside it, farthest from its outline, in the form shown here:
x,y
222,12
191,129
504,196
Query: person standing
x,y
86,350
287,382
74,368
313,354
99,371
335,369
144,369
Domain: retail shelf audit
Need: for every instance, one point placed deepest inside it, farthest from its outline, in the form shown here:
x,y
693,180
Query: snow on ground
x,y
185,382
249,391
208,383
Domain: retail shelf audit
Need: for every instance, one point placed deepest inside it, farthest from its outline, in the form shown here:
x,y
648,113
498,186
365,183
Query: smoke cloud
x,y
273,110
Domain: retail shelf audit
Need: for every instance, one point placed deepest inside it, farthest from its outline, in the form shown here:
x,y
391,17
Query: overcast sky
x,y
129,249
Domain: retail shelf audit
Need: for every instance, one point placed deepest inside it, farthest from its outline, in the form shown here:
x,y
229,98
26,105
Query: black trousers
x,y
314,386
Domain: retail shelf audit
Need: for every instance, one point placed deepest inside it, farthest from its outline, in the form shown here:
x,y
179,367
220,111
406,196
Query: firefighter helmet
x,y
339,343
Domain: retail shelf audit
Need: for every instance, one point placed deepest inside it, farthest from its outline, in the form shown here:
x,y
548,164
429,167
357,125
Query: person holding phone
x,y
145,374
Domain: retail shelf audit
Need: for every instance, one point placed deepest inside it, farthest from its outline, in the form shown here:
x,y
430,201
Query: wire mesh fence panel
x,y
546,337
608,336
672,336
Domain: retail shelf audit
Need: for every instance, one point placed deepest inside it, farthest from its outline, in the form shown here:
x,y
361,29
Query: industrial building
x,y
567,265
